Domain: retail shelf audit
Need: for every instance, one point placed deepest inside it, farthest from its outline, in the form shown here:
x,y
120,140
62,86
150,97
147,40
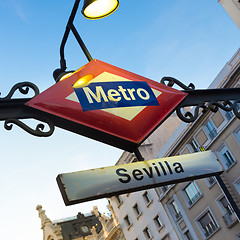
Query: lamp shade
x,y
95,9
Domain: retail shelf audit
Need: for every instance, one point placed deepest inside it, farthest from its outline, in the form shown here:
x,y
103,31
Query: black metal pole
x,y
80,42
229,197
138,155
66,33
69,27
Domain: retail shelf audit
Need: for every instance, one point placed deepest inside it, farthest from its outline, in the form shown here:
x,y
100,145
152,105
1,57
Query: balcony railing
x,y
229,219
210,229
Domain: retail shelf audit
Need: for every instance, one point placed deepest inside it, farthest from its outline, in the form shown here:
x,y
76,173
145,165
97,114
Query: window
x,y
118,200
166,237
134,160
164,188
210,181
226,205
147,233
136,209
208,224
127,221
158,222
238,236
229,217
192,192
175,210
229,115
212,132
226,157
237,134
187,235
147,197
237,185
194,145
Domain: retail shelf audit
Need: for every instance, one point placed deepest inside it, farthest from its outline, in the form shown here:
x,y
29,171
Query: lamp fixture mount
x,y
92,9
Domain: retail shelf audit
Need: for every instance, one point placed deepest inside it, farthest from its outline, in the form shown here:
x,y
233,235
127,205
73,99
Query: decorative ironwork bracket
x,y
13,110
199,101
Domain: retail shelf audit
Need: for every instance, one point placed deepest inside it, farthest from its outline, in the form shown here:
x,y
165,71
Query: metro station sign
x,y
82,186
109,104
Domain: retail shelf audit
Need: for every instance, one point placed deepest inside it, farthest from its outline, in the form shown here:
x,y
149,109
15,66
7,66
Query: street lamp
x,y
92,9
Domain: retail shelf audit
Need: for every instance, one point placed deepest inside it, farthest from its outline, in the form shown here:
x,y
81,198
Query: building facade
x,y
202,204
232,7
195,209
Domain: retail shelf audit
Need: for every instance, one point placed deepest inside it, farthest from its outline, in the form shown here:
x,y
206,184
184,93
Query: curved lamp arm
x,y
92,9
70,26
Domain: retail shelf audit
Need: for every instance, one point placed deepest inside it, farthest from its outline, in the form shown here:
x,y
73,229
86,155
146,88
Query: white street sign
x,y
97,183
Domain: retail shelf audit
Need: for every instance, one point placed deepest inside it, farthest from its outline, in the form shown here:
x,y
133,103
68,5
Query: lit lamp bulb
x,y
95,9
83,81
68,74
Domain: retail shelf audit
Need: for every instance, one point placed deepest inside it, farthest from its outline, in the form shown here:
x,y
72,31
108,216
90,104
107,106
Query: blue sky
x,y
186,39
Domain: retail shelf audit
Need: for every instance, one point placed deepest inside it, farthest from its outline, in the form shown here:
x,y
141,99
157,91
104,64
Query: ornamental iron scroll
x,y
199,101
171,81
13,109
23,88
190,115
38,131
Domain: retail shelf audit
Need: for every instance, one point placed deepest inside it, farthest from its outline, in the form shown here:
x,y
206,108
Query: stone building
x,y
91,226
195,209
200,209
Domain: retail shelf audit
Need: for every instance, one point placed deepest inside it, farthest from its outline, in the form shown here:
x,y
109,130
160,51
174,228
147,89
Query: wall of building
x,y
184,208
232,7
201,199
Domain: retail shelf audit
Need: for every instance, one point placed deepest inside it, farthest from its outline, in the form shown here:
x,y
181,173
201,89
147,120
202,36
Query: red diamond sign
x,y
119,106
